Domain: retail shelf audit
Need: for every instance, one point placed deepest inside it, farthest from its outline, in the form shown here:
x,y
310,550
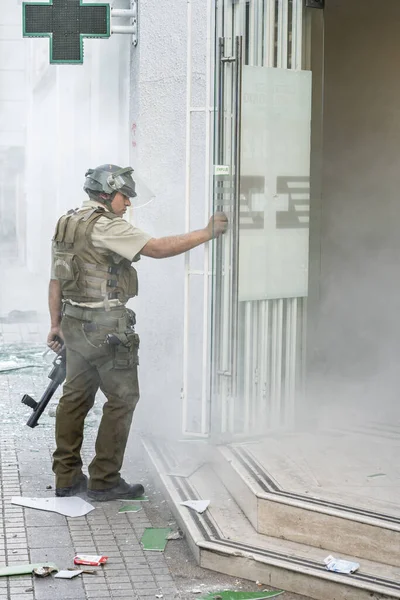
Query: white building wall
x,y
13,98
78,119
12,76
171,54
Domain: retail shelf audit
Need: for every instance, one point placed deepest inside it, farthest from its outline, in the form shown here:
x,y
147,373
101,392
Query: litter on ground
x,y
130,508
44,571
23,569
155,539
90,560
340,566
199,506
67,574
69,507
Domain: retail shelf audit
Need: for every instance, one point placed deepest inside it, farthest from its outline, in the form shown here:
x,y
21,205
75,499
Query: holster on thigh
x,y
125,350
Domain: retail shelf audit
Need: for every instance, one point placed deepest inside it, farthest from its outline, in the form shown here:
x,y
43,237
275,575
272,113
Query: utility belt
x,y
118,318
121,320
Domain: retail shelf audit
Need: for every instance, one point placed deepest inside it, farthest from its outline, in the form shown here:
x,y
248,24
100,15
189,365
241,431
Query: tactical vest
x,y
86,274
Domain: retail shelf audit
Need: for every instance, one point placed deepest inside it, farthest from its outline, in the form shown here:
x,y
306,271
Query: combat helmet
x,y
108,180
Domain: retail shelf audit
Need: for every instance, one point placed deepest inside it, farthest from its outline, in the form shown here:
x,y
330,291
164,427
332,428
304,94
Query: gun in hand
x,y
57,376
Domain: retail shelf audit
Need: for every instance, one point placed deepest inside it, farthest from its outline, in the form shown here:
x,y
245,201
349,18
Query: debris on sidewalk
x,y
67,574
14,357
130,508
340,566
69,507
91,561
199,506
24,569
155,539
86,571
44,571
175,535
228,595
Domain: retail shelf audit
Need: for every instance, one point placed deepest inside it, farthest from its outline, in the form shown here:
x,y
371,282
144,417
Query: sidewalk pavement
x,y
29,536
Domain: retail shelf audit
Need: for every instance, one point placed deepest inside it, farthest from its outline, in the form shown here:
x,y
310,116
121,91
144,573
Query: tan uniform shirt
x,y
116,235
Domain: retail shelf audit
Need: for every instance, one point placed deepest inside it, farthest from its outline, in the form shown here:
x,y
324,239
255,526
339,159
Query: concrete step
x,y
364,531
223,539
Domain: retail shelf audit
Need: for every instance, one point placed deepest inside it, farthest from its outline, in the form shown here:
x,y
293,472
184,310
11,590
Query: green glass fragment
x,y
227,595
155,538
130,508
24,569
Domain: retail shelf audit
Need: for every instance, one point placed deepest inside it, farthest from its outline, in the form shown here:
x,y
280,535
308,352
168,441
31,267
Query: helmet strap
x,y
107,200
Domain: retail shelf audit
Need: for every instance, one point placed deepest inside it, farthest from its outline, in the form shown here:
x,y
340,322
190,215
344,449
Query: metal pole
x,y
123,13
218,191
236,215
205,412
123,29
270,34
187,218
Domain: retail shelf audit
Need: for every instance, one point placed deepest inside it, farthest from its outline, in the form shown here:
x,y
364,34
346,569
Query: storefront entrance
x,y
262,180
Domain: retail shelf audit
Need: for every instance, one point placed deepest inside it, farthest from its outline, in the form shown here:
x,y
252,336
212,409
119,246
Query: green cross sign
x,y
66,23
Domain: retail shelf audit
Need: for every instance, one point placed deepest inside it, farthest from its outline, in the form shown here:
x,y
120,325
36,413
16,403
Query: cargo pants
x,y
92,363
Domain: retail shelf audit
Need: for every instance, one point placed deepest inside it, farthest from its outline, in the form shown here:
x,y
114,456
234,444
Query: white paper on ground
x,y
67,574
340,566
69,507
198,505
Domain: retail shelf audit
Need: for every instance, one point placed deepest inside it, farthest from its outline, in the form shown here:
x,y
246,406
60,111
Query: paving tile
x,y
41,518
40,537
94,594
62,557
120,579
142,578
164,579
129,573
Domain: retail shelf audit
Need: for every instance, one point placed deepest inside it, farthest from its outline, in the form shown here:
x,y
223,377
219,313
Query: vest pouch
x,y
127,356
128,283
65,268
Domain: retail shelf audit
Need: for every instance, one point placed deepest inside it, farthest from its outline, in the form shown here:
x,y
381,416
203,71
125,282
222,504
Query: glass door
x,y
262,182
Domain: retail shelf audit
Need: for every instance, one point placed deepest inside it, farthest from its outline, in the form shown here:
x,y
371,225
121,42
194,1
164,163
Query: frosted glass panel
x,y
275,188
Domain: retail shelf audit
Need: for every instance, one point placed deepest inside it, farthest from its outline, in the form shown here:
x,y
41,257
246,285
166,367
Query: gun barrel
x,y
41,405
57,376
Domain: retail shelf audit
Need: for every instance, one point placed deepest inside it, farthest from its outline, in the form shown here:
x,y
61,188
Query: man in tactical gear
x,y
92,280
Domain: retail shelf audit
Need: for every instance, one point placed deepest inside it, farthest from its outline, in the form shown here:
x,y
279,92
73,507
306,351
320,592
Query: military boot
x,y
122,491
73,490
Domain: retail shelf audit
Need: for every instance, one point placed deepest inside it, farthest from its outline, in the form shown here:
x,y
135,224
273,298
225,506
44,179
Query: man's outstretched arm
x,y
55,315
173,245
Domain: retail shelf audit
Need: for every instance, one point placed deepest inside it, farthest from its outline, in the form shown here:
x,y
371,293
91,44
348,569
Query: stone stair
x,y
256,530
